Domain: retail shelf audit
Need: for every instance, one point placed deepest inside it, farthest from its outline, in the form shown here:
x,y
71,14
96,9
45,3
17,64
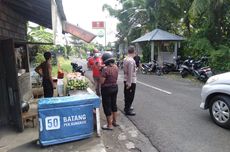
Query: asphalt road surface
x,y
168,114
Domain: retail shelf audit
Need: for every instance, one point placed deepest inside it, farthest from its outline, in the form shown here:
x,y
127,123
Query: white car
x,y
216,97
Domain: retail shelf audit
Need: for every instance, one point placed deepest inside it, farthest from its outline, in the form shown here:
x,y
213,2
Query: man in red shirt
x,y
97,64
90,61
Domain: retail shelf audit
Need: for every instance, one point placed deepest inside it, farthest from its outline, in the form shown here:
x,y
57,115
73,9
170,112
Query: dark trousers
x,y
47,88
97,85
129,96
109,99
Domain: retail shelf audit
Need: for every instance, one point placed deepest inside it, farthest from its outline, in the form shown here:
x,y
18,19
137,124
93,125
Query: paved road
x,y
168,114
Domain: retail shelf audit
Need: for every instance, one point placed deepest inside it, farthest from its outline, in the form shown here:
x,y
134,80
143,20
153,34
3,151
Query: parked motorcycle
x,y
203,74
171,67
201,70
77,68
197,68
186,67
151,67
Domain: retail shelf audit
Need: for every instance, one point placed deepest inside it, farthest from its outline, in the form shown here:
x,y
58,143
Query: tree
x,y
205,23
212,17
131,16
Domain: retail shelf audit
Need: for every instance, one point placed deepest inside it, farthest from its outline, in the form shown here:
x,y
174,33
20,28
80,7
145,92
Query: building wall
x,y
12,25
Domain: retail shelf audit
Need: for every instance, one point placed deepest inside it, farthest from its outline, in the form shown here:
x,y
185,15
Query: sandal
x,y
115,124
105,127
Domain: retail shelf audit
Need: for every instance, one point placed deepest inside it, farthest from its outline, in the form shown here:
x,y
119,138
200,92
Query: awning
x,y
78,32
37,11
40,12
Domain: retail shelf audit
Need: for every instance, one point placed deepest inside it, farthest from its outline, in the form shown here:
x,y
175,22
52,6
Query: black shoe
x,y
131,108
130,113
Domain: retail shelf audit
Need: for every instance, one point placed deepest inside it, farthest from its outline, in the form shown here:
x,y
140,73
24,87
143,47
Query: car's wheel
x,y
220,110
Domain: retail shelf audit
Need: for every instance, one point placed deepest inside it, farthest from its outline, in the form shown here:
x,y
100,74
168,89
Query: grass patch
x,y
189,78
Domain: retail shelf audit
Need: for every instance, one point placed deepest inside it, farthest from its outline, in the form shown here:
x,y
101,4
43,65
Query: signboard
x,y
98,25
78,32
100,33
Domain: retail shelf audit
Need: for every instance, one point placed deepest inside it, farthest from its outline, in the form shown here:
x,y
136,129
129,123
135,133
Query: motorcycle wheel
x,y
184,73
165,70
143,71
158,72
203,78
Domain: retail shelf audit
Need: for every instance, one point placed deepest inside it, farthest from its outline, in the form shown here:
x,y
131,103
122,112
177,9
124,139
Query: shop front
x,y
15,85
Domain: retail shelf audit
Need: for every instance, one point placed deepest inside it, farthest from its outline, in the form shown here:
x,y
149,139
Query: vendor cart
x,y
69,118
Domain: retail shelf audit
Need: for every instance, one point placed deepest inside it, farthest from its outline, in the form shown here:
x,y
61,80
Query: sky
x,y
83,12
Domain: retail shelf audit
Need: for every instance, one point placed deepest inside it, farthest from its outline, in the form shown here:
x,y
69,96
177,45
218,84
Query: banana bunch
x,y
76,84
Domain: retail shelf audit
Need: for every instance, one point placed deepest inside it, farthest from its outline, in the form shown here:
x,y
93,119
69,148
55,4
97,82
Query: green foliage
x,y
69,50
132,15
210,16
60,50
39,34
39,58
89,47
65,65
205,24
146,54
84,55
54,70
196,47
220,59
